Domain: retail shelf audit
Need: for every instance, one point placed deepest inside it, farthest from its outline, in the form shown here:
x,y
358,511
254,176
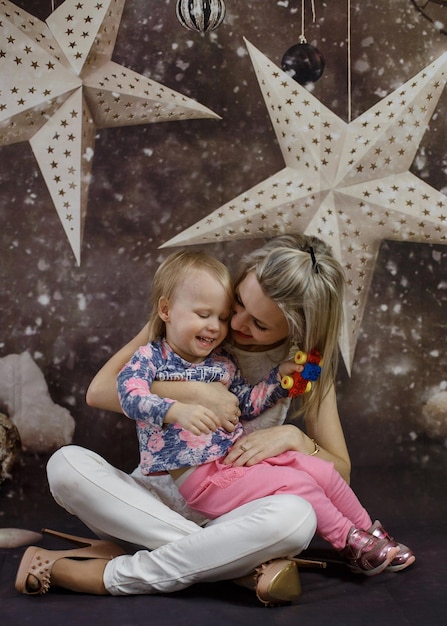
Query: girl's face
x,y
196,317
258,322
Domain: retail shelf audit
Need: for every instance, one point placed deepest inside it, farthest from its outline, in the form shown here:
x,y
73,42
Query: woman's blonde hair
x,y
175,270
301,276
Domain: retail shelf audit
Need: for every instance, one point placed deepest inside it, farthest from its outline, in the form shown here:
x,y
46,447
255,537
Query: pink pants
x,y
215,489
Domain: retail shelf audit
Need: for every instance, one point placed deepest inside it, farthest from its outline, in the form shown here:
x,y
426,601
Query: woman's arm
x,y
215,396
102,392
326,430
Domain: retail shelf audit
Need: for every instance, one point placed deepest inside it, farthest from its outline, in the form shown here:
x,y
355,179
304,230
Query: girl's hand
x,y
266,442
193,417
288,368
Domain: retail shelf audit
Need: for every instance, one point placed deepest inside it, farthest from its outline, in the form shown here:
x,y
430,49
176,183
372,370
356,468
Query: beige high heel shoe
x,y
277,582
38,562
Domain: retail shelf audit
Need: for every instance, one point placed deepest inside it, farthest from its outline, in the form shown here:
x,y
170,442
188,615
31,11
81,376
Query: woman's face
x,y
257,321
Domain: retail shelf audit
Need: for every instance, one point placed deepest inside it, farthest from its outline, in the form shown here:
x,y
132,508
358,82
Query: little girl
x,y
192,299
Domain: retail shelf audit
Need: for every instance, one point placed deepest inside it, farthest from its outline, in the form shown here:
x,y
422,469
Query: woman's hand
x,y
223,402
266,442
214,396
326,430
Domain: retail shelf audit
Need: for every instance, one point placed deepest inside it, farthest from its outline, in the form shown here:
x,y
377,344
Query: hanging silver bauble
x,y
201,15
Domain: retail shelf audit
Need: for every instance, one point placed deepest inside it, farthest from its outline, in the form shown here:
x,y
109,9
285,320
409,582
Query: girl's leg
x,y
334,487
340,493
229,547
215,488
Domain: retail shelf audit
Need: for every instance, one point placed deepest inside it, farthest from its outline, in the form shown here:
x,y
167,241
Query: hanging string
x,y
312,2
349,60
302,38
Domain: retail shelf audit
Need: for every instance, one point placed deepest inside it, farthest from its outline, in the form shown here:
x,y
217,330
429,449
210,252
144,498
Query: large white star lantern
x,y
348,184
58,85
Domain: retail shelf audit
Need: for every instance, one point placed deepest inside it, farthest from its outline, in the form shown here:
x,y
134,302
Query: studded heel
x,y
34,573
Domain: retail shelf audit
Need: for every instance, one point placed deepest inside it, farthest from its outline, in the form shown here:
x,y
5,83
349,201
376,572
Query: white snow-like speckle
x,y
82,302
368,41
88,154
44,299
361,66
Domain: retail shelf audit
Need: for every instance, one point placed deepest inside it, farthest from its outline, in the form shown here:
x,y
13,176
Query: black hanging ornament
x,y
303,62
201,15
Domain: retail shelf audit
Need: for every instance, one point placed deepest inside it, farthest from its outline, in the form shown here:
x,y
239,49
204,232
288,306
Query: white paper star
x,y
348,184
58,85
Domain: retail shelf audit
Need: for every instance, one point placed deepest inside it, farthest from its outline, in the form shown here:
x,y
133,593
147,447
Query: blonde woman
x,y
285,297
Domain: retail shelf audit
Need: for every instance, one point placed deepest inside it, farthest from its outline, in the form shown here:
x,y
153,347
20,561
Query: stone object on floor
x,y
17,537
43,425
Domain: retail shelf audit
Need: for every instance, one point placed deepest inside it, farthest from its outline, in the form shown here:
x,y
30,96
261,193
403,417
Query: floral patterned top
x,y
169,446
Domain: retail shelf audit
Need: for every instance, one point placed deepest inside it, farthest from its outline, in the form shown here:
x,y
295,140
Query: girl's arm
x,y
255,399
140,403
134,385
326,430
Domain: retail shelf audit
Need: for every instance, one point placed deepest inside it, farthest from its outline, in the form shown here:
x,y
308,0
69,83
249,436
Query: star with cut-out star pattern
x,y
58,84
348,184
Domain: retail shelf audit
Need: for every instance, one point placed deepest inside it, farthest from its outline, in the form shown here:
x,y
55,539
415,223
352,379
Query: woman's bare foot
x,y
84,576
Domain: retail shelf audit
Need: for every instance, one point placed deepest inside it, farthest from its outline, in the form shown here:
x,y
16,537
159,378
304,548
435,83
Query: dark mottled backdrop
x,y
150,182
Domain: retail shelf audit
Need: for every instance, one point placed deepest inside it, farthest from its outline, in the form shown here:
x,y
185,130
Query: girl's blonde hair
x,y
175,270
301,276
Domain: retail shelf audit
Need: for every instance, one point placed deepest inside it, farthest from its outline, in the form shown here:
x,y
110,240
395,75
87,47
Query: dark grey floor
x,y
411,503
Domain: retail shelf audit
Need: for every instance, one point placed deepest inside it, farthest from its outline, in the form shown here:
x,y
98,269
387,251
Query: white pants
x,y
115,505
